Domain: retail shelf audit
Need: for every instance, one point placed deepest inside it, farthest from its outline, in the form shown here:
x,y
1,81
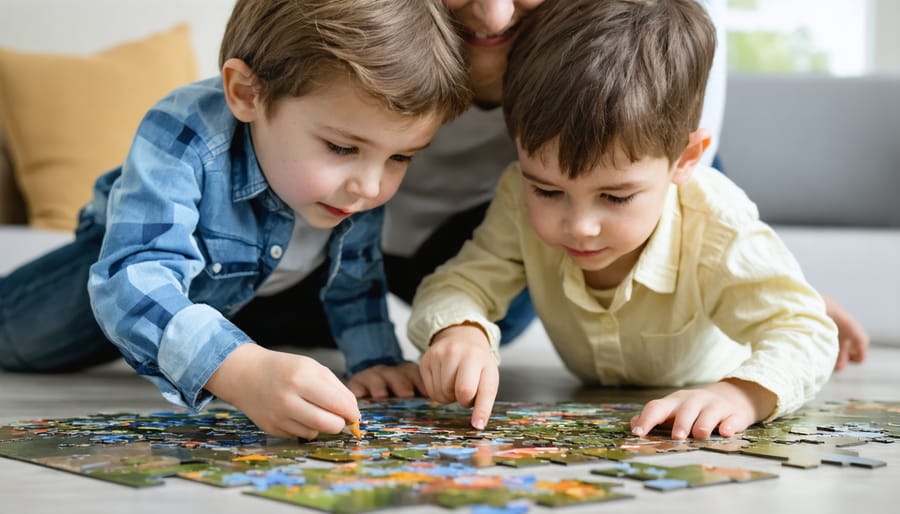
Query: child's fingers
x,y
468,377
685,415
484,398
329,396
448,382
654,413
710,417
399,382
734,423
843,356
289,429
373,384
415,375
358,388
858,353
430,379
434,381
300,418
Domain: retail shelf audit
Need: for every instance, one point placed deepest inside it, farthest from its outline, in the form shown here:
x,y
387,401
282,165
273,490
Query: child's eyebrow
x,y
349,135
622,186
534,178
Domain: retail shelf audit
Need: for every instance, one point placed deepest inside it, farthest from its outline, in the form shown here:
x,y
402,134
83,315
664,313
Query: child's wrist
x,y
760,398
230,372
443,332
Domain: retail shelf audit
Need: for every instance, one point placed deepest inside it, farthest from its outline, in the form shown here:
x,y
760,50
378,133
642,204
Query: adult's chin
x,y
486,75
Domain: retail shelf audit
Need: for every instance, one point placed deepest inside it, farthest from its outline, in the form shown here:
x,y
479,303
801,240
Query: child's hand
x,y
853,339
286,395
731,405
459,366
403,380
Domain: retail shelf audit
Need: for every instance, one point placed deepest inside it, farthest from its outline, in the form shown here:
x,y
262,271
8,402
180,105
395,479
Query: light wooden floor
x,y
27,488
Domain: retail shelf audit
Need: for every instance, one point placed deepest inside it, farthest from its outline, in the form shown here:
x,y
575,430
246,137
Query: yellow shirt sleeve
x,y
479,283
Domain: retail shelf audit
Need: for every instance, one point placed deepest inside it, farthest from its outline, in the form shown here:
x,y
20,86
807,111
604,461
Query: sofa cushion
x,y
69,118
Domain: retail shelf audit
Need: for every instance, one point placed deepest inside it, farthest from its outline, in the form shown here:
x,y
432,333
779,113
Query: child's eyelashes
x,y
340,150
352,150
549,193
618,199
545,193
402,159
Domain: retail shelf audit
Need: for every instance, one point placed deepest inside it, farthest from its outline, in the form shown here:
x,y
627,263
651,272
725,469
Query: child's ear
x,y
698,142
240,90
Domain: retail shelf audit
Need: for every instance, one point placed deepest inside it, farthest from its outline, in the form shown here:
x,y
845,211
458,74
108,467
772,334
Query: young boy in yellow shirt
x,y
644,268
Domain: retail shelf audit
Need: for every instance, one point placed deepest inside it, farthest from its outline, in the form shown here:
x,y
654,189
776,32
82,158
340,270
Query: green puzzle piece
x,y
678,477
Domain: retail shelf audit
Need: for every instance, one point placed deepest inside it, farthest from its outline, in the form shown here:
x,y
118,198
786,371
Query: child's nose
x,y
366,184
583,225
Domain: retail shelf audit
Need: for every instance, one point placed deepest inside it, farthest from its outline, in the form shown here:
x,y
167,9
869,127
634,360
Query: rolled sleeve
x,y
438,307
379,345
194,344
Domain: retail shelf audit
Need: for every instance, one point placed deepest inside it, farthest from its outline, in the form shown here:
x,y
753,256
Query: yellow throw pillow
x,y
67,118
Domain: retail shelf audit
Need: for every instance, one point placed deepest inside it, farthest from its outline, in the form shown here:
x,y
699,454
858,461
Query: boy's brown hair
x,y
403,53
609,75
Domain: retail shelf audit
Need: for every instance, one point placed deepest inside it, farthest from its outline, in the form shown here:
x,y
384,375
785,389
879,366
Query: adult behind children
x,y
451,183
246,214
643,269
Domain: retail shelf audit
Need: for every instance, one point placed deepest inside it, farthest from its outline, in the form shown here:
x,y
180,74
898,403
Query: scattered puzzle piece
x,y
664,478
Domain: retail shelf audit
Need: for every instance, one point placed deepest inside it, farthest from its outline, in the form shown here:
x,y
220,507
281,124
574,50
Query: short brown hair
x,y
404,53
607,75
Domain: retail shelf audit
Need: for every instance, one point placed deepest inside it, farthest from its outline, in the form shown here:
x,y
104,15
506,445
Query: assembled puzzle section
x,y
412,453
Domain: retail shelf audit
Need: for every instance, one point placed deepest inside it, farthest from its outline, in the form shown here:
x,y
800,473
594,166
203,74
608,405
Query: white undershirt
x,y
305,252
458,170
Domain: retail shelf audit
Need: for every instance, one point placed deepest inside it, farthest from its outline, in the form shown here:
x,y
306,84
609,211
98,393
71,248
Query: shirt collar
x,y
247,177
657,267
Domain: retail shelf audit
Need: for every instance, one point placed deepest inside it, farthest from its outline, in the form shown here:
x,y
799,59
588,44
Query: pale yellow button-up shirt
x,y
715,294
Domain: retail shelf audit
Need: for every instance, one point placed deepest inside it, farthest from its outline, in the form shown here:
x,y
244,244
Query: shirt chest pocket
x,y
673,357
228,258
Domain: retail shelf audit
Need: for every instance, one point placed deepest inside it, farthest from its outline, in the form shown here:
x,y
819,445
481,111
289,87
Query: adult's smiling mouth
x,y
487,40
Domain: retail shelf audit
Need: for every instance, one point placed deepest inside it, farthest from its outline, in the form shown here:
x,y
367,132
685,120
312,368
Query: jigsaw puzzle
x,y
412,453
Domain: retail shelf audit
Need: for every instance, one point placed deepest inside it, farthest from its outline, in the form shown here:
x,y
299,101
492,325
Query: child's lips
x,y
335,211
584,253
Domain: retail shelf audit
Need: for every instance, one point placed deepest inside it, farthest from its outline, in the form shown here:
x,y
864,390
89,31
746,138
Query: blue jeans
x,y
405,273
518,317
46,322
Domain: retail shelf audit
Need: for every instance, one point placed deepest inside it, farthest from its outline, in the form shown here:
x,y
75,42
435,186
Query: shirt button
x,y
608,323
217,267
276,251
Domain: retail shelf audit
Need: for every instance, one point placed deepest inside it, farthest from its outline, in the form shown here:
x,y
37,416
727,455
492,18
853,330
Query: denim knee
x,y
518,317
46,322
